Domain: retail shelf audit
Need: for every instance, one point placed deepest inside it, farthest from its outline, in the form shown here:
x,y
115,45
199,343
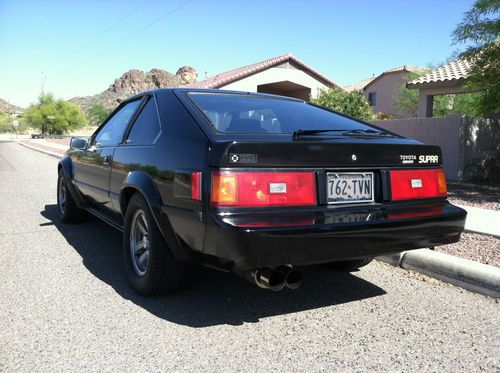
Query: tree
x,y
406,101
11,124
97,114
480,30
5,123
468,103
352,103
54,116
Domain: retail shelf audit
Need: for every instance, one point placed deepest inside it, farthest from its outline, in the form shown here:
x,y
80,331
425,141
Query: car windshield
x,y
247,113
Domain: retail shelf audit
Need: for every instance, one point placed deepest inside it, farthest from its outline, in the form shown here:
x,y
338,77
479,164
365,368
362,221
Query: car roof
x,y
205,90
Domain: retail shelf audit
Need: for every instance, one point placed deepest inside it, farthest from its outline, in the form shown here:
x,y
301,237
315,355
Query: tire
x,y
68,211
150,267
350,265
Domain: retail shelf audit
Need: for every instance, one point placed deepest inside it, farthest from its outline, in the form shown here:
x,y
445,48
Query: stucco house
x,y
283,75
381,91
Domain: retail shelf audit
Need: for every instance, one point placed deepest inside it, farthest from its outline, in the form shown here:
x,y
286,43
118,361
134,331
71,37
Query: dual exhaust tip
x,y
277,278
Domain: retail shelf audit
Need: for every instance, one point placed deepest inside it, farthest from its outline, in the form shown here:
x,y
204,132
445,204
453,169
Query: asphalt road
x,y
65,306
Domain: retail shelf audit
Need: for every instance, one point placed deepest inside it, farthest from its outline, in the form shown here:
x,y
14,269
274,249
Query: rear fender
x,y
66,164
141,182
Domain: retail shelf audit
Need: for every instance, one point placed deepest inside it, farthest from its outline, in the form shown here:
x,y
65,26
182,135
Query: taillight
x,y
263,189
196,186
412,184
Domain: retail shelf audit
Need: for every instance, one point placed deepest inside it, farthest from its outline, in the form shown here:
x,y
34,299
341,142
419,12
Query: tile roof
x,y
358,85
454,71
408,68
227,77
366,82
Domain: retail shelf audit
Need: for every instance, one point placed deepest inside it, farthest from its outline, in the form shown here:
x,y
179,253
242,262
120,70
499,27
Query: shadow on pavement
x,y
214,297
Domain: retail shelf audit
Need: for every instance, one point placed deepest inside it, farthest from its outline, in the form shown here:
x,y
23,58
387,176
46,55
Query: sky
x,y
79,48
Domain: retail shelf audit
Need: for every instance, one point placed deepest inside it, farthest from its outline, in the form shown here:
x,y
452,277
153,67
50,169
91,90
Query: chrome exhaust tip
x,y
269,278
293,277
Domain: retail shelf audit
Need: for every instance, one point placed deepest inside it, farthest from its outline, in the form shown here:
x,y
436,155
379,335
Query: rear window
x,y
246,113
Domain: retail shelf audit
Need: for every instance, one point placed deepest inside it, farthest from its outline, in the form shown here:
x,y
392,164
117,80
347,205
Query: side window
x,y
146,126
112,132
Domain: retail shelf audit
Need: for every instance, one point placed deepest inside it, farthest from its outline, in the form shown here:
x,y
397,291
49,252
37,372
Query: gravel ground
x,y
474,246
476,195
65,306
479,247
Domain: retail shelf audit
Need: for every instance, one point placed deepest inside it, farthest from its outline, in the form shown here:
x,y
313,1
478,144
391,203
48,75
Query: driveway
x,y
65,305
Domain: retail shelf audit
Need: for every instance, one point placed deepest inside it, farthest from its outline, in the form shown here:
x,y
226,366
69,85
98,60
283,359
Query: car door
x,y
135,153
92,166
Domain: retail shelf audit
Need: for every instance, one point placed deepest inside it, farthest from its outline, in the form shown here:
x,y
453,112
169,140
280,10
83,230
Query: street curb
x,y
392,259
482,233
476,277
52,154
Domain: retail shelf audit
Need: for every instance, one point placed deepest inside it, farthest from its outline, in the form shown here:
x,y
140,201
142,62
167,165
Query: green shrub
x,y
352,103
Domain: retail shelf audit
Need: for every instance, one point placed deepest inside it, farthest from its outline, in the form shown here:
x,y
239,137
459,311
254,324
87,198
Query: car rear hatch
x,y
332,153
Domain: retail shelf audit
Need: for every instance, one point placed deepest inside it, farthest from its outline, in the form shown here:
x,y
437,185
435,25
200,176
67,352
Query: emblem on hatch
x,y
242,158
354,157
428,159
407,158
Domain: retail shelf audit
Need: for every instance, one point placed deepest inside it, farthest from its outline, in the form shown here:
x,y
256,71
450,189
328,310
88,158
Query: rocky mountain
x,y
135,81
6,107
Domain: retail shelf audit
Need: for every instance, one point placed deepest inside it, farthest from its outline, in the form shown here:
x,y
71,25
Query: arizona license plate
x,y
349,187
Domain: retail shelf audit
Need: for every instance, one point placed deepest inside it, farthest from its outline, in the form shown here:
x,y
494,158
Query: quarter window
x,y
146,127
112,132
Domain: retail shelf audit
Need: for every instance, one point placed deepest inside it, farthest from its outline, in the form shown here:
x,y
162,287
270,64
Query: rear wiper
x,y
299,133
368,132
345,132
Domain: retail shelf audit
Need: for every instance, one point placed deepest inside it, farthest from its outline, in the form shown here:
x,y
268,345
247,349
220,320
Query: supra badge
x,y
428,159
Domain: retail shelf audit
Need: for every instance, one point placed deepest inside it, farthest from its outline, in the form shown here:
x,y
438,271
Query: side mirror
x,y
78,143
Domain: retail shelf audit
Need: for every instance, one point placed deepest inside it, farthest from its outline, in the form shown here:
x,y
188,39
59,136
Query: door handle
x,y
106,159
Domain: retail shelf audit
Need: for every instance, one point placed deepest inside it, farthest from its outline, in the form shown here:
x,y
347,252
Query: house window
x,y
372,98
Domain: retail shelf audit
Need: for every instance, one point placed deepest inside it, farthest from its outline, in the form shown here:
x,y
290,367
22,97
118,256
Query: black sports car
x,y
254,184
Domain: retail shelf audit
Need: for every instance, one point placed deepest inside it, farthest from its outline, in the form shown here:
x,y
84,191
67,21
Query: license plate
x,y
349,187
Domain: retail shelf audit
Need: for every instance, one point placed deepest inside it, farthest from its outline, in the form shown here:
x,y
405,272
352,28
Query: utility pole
x,y
44,78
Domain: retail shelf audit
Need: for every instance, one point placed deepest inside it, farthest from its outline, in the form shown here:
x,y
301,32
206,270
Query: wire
x,y
102,33
136,32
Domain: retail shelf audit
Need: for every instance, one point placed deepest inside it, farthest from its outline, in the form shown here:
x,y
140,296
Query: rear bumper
x,y
248,240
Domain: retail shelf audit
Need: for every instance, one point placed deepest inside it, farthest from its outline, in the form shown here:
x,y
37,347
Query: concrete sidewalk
x,y
45,142
482,220
44,146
